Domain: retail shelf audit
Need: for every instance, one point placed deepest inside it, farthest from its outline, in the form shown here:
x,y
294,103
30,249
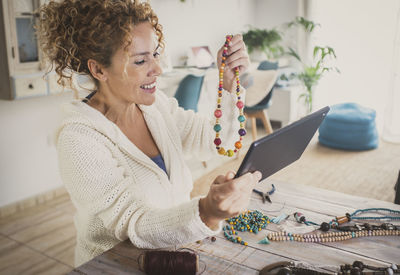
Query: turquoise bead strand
x,y
250,221
353,216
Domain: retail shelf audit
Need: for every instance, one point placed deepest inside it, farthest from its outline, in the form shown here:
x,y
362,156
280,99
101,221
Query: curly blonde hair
x,y
71,32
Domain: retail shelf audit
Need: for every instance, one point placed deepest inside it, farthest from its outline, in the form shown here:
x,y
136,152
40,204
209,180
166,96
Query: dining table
x,y
218,255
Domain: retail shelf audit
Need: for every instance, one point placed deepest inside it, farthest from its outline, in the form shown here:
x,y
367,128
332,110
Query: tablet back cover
x,y
281,148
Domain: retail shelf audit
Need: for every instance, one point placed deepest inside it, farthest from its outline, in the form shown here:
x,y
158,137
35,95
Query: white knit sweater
x,y
119,192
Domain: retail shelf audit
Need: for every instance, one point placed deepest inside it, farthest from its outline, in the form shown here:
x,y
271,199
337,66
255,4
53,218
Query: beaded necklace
x,y
325,226
348,217
330,237
345,232
218,112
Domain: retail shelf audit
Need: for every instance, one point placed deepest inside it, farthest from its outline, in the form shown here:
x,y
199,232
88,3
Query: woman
x,y
121,149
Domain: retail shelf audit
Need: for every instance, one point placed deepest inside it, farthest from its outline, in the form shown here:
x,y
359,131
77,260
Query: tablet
x,y
283,147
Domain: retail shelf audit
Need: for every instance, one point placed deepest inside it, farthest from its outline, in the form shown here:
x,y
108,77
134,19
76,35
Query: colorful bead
x,y
239,104
242,132
218,113
217,127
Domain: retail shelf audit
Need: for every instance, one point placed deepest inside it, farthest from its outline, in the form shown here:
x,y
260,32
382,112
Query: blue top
x,y
160,162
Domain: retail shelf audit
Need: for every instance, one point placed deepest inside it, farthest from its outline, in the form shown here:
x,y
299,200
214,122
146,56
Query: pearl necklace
x,y
218,112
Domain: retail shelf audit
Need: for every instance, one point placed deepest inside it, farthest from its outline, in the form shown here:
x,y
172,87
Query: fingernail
x,y
230,175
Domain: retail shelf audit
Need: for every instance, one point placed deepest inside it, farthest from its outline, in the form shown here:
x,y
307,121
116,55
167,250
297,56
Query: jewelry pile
x,y
251,221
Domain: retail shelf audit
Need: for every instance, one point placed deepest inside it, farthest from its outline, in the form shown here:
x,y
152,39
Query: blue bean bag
x,y
349,126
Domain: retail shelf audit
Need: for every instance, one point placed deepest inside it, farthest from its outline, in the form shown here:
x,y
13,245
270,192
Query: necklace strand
x,y
325,226
218,111
329,237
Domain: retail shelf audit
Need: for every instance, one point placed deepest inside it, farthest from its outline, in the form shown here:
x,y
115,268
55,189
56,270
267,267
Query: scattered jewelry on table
x,y
342,233
250,221
255,221
334,223
357,268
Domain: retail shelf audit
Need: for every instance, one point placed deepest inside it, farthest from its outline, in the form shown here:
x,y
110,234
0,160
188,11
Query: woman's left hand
x,y
236,57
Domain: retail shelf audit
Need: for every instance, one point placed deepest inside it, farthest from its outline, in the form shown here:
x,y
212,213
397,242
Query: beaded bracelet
x,y
239,105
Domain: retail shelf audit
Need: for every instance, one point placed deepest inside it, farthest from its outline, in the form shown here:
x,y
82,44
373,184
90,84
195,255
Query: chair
x,y
188,94
397,189
259,110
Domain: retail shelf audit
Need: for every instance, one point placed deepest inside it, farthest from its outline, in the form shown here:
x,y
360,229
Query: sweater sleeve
x,y
197,129
101,188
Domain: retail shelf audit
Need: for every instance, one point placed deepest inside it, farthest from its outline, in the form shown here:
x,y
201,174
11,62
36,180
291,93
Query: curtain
x,y
391,128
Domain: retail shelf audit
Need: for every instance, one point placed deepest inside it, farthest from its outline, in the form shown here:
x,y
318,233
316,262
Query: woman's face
x,y
133,80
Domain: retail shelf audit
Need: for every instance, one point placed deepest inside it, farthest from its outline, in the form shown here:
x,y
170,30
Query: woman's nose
x,y
156,69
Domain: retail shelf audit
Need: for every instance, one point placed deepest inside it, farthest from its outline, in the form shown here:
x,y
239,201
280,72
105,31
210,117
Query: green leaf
x,y
263,39
317,66
294,54
307,25
311,73
331,51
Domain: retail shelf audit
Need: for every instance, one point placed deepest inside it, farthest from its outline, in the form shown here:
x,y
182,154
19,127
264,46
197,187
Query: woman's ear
x,y
97,70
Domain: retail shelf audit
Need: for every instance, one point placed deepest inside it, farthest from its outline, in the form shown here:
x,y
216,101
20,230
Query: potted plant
x,y
265,41
311,72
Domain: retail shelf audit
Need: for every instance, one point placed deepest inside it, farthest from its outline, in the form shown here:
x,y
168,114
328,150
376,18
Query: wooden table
x,y
225,257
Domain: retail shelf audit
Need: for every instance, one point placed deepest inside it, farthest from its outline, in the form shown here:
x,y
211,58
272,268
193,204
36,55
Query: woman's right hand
x,y
227,197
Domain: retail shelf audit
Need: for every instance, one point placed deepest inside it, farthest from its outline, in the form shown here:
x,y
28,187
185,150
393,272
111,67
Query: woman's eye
x,y
139,62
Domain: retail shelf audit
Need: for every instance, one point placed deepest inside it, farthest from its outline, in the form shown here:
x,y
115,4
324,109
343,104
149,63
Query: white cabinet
x,y
21,72
28,85
285,106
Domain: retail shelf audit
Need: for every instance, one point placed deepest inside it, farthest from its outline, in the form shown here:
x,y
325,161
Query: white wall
x,y
362,33
201,23
273,13
28,163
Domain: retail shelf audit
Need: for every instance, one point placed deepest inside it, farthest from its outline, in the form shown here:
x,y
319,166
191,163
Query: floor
x,y
40,240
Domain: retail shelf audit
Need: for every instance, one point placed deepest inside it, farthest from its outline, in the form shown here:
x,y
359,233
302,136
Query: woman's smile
x,y
149,88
